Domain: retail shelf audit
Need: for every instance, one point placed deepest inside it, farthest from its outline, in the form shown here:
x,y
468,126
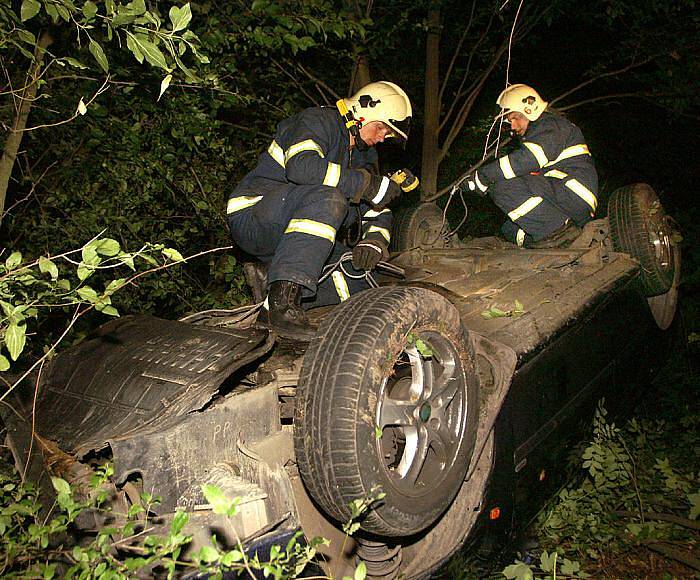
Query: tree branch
x,y
295,81
598,77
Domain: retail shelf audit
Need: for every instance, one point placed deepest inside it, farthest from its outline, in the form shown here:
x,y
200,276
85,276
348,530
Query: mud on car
x,y
454,388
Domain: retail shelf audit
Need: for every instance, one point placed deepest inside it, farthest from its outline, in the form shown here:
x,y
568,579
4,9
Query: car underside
x,y
454,389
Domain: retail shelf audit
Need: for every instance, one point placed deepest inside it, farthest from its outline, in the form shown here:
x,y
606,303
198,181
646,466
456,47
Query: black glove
x,y
367,254
377,190
475,184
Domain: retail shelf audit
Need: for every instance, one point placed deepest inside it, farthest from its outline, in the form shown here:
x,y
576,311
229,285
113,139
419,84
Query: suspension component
x,y
382,560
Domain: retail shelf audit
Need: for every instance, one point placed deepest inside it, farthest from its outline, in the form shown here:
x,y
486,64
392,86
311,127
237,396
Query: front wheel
x,y
387,401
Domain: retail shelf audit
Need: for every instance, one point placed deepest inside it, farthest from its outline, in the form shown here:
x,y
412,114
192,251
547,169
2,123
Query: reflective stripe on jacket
x,y
555,147
309,148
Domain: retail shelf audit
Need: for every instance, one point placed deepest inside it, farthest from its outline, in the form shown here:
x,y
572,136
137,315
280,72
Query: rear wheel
x,y
421,226
387,400
640,227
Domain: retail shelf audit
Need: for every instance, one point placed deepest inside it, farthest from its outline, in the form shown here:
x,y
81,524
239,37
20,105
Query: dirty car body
x,y
175,405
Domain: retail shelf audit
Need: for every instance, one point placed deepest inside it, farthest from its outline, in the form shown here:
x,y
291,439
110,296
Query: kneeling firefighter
x,y
287,210
546,185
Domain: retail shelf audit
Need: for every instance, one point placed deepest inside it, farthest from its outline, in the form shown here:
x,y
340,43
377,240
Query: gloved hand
x,y
405,179
377,190
367,254
475,185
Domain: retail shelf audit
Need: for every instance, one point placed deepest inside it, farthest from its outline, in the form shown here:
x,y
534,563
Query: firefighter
x,y
549,183
288,210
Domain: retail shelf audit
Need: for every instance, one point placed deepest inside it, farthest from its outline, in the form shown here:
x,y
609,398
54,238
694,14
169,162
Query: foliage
x,y
632,495
36,546
495,312
142,31
29,291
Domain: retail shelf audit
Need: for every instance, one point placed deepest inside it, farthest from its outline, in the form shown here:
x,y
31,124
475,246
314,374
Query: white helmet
x,y
523,99
382,101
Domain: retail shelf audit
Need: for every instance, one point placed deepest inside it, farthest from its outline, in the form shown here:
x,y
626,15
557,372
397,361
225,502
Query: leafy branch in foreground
x,y
29,291
36,547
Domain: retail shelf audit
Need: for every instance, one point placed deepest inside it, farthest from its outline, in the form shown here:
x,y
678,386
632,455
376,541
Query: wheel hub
x,y
421,413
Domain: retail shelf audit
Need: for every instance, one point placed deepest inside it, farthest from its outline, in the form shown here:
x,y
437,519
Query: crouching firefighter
x,y
288,210
548,185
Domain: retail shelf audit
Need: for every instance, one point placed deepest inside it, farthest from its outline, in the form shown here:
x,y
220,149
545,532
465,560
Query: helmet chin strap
x,y
360,144
352,125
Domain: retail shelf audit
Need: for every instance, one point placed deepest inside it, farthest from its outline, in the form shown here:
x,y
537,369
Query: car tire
x,y
640,227
387,401
419,226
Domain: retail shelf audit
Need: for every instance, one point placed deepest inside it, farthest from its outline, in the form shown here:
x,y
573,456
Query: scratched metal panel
x,y
138,371
171,461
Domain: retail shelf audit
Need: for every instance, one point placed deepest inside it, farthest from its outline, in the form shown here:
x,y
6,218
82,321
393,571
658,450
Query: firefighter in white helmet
x,y
286,212
548,185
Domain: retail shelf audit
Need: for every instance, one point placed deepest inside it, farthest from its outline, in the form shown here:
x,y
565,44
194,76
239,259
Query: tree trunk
x,y
431,146
26,98
360,72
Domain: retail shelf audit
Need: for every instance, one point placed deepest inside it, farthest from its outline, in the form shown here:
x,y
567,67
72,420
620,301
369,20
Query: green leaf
x,y
51,11
98,53
89,9
60,485
133,46
114,285
360,571
4,363
152,53
85,271
89,253
15,339
173,254
26,36
63,12
47,266
423,348
137,7
518,571
88,294
74,62
230,558
164,84
180,17
494,312
570,567
220,504
13,260
179,521
30,8
110,310
108,247
127,259
208,554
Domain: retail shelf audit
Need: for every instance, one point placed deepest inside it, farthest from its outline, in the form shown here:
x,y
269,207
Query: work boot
x,y
256,276
284,314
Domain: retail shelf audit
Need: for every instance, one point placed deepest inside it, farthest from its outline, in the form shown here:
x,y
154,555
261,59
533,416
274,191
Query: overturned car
x,y
455,390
